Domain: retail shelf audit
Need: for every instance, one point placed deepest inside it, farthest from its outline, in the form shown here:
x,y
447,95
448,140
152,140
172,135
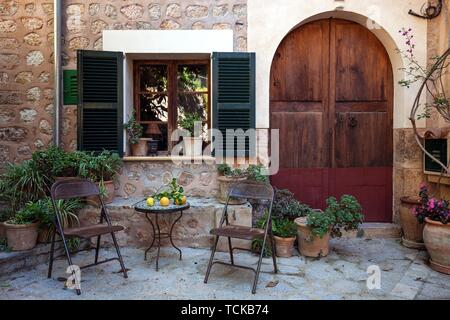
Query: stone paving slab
x,y
341,275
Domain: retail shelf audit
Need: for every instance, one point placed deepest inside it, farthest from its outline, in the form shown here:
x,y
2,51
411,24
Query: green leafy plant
x,y
100,167
55,162
67,209
285,205
225,170
171,190
28,214
134,129
188,120
257,172
6,214
343,214
284,228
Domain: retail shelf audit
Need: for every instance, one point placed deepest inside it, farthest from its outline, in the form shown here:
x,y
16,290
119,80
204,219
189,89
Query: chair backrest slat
x,y
74,188
252,190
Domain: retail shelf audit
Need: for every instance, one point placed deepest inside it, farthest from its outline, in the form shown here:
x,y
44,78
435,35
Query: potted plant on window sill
x,y
134,131
436,233
226,178
22,229
194,142
315,230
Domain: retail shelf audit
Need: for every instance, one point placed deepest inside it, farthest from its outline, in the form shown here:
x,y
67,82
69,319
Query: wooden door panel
x,y
297,73
302,139
362,64
331,98
362,139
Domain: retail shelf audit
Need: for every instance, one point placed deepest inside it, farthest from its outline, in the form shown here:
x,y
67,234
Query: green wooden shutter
x,y
100,105
234,95
70,84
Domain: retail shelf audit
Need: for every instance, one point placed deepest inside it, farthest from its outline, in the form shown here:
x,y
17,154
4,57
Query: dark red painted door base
x,y
371,186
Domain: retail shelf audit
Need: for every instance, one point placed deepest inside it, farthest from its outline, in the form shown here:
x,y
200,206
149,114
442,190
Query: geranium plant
x,y
431,208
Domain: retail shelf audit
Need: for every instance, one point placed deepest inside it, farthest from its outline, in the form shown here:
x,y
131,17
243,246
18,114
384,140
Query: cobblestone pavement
x,y
341,275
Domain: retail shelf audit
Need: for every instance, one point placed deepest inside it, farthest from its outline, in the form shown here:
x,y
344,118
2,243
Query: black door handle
x,y
352,122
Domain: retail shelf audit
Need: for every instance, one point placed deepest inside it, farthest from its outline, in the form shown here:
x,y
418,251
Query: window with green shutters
x,y
100,101
234,98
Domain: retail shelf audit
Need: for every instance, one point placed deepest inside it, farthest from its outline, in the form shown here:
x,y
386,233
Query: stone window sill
x,y
169,158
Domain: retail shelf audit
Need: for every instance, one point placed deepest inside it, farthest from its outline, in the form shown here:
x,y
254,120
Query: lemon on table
x,y
150,201
164,201
181,201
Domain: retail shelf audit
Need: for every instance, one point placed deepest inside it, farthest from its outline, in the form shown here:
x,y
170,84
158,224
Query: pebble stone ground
x,y
341,275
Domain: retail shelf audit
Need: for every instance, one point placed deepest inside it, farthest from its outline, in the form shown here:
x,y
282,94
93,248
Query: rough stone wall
x,y
26,78
26,59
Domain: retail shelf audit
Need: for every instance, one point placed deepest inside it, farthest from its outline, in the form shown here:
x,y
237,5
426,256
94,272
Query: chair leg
x,y
69,259
211,259
52,249
97,249
258,268
124,271
230,247
274,254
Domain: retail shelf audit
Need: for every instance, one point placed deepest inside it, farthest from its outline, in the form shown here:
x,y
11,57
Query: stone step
x,y
371,230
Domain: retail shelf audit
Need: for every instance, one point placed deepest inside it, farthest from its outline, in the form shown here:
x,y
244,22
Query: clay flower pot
x,y
21,236
284,246
139,149
224,186
308,245
436,236
193,146
412,229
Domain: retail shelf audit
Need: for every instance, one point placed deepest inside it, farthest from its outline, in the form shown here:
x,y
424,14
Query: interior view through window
x,y
168,91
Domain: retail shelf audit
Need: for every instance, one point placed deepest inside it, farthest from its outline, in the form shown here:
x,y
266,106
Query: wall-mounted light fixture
x,y
339,5
429,10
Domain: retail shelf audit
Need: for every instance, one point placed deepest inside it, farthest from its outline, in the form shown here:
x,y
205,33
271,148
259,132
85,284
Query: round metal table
x,y
157,210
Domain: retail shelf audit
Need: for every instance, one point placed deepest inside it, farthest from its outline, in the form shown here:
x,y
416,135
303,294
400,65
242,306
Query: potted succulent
x,y
315,230
226,178
436,233
192,144
412,228
135,130
22,228
284,232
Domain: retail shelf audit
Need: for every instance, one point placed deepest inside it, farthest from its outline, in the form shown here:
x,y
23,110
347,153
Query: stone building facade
x,y
26,71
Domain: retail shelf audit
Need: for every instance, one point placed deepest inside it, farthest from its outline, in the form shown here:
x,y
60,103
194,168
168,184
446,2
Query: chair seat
x,y
91,230
238,232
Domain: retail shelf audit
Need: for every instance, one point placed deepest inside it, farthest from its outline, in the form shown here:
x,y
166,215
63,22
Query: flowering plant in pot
x,y
315,230
192,122
436,233
134,132
22,229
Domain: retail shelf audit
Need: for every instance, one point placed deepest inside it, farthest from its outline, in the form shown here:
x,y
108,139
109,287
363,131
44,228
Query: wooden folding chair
x,y
247,190
78,188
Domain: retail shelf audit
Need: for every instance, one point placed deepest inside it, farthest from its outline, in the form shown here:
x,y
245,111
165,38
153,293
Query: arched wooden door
x,y
331,98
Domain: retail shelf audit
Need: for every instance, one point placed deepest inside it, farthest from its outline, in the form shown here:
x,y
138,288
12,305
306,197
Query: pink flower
x,y
431,204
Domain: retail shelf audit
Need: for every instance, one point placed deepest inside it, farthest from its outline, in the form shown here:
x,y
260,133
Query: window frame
x,y
172,91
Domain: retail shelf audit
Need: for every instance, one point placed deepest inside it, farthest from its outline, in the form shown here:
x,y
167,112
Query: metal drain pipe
x,y
57,71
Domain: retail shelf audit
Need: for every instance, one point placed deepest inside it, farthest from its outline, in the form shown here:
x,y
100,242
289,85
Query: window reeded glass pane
x,y
192,77
153,107
153,78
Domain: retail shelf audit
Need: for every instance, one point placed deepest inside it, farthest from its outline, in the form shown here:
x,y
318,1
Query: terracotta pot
x,y
311,246
412,229
139,149
110,193
284,246
436,236
21,236
2,230
65,178
224,187
193,146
